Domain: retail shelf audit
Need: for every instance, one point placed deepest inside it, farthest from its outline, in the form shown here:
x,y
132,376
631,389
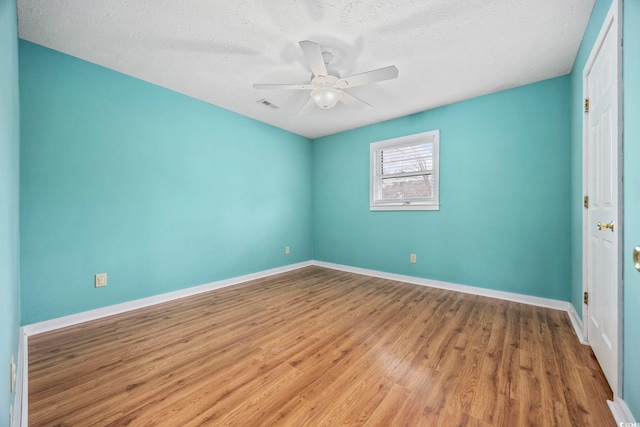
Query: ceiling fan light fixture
x,y
326,96
326,83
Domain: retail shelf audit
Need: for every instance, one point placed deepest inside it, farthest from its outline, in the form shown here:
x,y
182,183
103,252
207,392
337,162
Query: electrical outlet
x,y
13,375
287,251
101,280
412,258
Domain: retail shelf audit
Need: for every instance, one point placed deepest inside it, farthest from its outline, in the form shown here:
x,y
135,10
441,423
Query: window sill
x,y
398,207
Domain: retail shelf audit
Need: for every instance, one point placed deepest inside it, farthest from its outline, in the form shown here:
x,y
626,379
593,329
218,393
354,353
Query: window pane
x,y
404,173
410,187
412,158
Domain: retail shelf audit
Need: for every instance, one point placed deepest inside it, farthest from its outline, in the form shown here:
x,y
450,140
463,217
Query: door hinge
x,y
586,105
585,298
585,202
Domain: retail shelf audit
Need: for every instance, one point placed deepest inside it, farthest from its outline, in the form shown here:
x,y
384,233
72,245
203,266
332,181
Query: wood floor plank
x,y
319,347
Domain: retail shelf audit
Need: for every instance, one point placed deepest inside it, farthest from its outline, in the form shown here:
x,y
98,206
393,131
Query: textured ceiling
x,y
446,50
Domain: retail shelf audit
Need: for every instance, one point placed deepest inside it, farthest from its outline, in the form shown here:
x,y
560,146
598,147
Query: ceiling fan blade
x,y
285,86
386,73
314,57
352,101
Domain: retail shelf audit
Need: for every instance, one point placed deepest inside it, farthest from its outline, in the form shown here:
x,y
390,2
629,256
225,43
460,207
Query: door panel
x,y
602,183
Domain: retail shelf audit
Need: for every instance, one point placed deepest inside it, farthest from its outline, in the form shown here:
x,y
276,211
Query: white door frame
x,y
613,22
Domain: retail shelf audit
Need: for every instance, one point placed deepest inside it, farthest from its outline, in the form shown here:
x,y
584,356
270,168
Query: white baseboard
x,y
74,319
508,296
577,324
20,399
621,412
85,316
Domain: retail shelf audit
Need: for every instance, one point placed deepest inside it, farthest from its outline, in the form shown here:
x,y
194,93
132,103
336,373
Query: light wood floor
x,y
318,347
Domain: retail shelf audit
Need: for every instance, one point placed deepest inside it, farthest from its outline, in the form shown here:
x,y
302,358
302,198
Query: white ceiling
x,y
446,50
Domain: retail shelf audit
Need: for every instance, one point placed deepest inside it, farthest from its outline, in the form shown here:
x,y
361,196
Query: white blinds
x,y
406,172
407,160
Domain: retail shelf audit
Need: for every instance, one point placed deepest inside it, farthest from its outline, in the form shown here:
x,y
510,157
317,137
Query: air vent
x,y
267,104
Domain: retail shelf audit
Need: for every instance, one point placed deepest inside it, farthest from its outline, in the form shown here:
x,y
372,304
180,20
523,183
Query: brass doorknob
x,y
604,225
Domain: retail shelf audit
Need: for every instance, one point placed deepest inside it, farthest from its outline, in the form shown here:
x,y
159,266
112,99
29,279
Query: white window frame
x,y
375,182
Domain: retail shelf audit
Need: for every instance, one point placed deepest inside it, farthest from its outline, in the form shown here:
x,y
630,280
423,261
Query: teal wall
x,y
9,187
631,96
598,14
156,189
504,221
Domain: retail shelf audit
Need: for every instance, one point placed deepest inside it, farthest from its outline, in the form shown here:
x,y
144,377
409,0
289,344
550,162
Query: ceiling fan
x,y
327,86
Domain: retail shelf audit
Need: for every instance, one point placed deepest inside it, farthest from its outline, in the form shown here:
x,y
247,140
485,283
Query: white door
x,y
603,221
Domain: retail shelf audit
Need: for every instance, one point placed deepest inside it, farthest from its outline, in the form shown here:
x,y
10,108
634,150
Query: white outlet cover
x,y
101,280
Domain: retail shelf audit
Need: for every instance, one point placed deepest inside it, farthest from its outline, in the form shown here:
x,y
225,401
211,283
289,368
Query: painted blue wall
x,y
504,221
9,188
598,14
156,189
631,96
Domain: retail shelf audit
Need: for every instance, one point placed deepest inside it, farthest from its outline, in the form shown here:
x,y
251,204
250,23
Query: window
x,y
404,173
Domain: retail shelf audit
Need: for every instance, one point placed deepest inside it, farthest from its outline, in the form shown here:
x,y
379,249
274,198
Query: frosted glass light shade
x,y
326,96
